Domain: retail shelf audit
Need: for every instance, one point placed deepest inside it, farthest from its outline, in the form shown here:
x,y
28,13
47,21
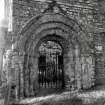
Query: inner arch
x,y
50,65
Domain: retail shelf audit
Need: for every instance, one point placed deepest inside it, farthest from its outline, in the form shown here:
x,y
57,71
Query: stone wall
x,y
86,13
82,11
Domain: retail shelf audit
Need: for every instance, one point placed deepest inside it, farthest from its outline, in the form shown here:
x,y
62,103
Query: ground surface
x,y
96,97
69,98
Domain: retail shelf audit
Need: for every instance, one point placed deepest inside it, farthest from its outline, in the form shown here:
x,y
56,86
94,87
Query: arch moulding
x,y
50,24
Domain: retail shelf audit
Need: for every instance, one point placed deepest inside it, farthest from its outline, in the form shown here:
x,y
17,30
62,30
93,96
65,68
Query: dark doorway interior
x,y
50,64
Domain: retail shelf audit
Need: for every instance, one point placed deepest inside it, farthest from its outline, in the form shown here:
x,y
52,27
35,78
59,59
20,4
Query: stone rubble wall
x,y
87,14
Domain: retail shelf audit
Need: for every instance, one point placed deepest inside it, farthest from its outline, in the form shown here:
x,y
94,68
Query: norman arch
x,y
60,29
52,23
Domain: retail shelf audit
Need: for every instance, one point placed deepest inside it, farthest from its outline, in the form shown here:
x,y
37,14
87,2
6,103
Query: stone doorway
x,y
50,66
74,54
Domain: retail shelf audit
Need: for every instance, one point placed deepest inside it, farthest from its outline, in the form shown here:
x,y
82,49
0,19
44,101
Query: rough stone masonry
x,y
76,25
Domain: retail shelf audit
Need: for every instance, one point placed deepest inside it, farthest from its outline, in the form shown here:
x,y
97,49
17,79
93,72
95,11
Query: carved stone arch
x,y
47,27
53,33
55,22
64,43
51,27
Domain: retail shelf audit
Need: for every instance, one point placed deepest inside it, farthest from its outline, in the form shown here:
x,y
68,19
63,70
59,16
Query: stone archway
x,y
52,23
53,27
33,56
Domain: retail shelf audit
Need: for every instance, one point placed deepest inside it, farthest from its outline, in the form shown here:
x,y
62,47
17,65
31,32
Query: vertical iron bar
x,y
42,74
56,70
45,73
39,71
51,73
19,82
50,69
59,67
39,76
29,78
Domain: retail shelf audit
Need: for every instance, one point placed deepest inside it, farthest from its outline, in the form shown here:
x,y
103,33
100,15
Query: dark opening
x,y
50,65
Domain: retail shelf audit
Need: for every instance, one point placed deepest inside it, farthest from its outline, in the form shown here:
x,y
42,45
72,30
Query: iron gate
x,y
51,65
51,72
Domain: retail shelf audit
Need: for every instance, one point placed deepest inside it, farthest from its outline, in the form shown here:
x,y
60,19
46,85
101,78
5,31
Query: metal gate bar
x,y
50,73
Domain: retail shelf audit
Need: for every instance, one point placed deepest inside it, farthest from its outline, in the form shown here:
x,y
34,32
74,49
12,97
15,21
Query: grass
x,y
73,101
89,98
68,98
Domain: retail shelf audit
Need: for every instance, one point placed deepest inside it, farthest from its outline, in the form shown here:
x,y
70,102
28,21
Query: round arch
x,y
51,23
56,27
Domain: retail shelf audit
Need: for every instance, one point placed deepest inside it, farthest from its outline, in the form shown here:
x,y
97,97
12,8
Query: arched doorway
x,y
37,54
50,65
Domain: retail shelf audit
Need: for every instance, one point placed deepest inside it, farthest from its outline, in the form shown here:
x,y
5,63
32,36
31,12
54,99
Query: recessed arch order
x,y
51,24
